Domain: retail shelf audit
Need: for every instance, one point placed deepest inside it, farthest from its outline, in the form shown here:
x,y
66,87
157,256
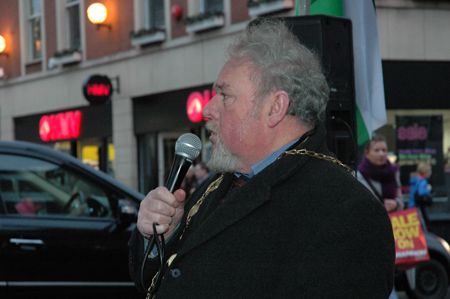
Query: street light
x,y
97,14
3,46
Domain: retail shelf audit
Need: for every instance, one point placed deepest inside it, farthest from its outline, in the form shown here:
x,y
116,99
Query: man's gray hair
x,y
282,63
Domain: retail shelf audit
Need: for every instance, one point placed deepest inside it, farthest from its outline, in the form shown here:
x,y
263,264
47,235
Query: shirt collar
x,y
260,165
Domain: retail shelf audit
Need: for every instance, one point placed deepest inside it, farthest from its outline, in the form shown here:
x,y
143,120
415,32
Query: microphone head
x,y
188,145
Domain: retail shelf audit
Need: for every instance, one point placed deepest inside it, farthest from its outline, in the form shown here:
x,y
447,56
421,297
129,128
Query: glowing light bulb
x,y
97,13
2,44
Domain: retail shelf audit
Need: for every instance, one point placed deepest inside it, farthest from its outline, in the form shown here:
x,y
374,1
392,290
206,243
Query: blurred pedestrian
x,y
379,175
420,189
201,173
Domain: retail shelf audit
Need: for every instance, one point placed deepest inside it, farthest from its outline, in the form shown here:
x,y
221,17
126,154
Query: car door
x,y
58,228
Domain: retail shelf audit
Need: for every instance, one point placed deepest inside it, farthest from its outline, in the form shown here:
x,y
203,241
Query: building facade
x,y
158,54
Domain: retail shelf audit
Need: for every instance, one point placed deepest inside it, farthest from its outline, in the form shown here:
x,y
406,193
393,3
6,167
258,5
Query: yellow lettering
x,y
406,233
403,244
396,222
413,219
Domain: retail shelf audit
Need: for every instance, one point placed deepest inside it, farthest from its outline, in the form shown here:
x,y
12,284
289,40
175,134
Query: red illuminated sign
x,y
97,89
195,103
60,126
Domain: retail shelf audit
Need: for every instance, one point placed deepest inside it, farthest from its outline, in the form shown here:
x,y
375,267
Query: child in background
x,y
420,189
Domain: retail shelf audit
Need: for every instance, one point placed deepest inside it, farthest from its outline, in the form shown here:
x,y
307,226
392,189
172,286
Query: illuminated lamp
x,y
194,107
3,46
97,14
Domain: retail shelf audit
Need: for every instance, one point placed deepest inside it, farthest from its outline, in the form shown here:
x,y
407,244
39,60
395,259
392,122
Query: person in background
x,y
381,177
281,217
201,173
420,189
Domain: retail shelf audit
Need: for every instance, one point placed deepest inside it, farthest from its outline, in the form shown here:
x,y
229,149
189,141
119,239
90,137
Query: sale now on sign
x,y
410,243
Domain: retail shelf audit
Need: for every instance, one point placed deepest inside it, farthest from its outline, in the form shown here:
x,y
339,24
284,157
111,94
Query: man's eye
x,y
224,96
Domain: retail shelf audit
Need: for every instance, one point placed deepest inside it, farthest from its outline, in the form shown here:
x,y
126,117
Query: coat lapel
x,y
233,209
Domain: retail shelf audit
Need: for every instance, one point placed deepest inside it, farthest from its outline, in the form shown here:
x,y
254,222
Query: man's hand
x,y
390,204
162,207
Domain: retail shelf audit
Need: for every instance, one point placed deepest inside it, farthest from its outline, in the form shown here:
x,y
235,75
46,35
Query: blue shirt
x,y
260,165
417,185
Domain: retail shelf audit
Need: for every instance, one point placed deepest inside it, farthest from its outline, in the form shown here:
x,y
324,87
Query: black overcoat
x,y
302,228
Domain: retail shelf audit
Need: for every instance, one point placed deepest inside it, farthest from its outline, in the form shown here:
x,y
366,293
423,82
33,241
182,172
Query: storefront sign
x,y
419,139
60,126
97,89
195,103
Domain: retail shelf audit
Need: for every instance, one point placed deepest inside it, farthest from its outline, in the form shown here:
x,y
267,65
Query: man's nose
x,y
208,110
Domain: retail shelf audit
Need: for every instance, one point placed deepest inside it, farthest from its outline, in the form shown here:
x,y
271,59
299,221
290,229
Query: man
x,y
301,226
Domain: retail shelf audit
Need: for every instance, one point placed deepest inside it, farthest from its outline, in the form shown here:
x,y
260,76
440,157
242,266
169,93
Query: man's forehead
x,y
230,70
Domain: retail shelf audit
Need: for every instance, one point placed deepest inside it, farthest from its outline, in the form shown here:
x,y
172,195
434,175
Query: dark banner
x,y
419,139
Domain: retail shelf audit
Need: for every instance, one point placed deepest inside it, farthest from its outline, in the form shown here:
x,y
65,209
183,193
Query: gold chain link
x,y
195,208
316,155
151,288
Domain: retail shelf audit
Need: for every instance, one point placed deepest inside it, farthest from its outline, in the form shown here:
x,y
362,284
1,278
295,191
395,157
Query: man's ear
x,y
278,108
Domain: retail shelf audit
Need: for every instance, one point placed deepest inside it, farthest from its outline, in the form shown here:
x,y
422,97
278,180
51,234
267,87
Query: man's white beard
x,y
221,159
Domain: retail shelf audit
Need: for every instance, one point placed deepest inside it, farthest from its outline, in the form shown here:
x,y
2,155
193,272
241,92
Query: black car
x,y
64,226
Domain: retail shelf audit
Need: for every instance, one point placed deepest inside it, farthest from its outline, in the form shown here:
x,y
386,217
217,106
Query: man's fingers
x,y
147,230
180,196
162,207
164,195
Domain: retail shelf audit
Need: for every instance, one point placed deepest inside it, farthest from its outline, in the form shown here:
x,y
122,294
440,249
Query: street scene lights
x,y
2,45
97,14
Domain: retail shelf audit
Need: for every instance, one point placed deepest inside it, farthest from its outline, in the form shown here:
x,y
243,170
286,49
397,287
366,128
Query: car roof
x,y
47,153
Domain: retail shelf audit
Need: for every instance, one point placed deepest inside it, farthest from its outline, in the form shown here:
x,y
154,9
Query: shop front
x,y
418,129
159,119
83,132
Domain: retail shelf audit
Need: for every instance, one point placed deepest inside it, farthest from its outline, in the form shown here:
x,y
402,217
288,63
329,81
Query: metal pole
x,y
302,7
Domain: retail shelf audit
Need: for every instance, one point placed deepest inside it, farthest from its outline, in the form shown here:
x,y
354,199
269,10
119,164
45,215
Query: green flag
x,y
326,7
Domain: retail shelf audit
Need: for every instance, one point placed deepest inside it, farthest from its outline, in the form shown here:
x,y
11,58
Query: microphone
x,y
187,149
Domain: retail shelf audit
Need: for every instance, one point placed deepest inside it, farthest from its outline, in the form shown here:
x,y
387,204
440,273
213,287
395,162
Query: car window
x,y
30,186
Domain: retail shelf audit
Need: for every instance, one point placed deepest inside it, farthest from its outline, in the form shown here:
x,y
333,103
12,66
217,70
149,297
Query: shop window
x,y
98,153
72,27
154,14
34,34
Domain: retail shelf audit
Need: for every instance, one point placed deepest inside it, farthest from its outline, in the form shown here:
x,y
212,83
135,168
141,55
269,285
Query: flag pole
x,y
302,7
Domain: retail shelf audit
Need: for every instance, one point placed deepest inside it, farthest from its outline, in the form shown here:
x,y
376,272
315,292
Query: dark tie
x,y
239,181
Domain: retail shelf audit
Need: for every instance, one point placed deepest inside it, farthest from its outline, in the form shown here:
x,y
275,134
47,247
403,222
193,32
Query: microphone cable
x,y
158,241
